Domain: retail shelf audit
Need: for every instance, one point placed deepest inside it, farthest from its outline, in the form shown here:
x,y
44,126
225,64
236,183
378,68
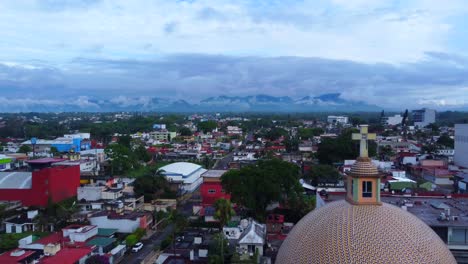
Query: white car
x,y
137,247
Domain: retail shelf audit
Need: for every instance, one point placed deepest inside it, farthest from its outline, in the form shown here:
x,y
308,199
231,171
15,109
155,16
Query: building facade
x,y
423,117
461,145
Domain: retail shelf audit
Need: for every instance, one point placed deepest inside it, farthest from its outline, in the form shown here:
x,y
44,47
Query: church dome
x,y
341,232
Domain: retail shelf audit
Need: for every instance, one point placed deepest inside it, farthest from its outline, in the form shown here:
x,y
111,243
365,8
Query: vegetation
x,y
446,141
307,133
134,237
218,250
323,174
335,150
257,186
10,241
223,212
24,149
207,126
153,186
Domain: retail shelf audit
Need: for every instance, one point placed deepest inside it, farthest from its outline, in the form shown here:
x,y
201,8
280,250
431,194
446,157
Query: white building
x,y
424,117
337,119
392,120
249,235
186,173
234,130
461,145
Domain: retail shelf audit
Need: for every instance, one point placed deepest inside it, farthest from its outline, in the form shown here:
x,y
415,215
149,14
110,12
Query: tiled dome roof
x,y
364,167
344,233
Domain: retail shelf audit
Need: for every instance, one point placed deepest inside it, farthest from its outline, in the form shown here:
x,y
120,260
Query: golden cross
x,y
363,137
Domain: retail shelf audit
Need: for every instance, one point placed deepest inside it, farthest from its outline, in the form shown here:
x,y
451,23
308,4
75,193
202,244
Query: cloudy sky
x,y
391,53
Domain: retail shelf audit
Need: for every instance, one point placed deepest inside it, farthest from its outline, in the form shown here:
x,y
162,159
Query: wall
x,y
89,193
123,225
209,198
63,181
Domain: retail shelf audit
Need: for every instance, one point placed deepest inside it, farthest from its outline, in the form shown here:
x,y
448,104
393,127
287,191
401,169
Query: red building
x,y
211,188
45,182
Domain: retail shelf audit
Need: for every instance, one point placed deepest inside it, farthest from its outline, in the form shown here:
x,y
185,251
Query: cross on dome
x,y
363,137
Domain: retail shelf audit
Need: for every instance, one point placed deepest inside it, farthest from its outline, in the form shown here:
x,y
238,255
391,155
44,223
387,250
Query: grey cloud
x,y
196,76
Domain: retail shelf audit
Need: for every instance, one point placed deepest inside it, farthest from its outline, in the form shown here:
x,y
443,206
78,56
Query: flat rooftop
x,y
213,173
429,209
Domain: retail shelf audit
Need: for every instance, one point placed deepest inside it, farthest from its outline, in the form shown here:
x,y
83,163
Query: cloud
x,y
358,30
434,81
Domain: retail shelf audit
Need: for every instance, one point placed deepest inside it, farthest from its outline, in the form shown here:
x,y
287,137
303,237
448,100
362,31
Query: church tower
x,y
363,181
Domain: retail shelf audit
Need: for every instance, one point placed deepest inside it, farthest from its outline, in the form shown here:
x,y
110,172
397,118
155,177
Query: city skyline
x,y
393,54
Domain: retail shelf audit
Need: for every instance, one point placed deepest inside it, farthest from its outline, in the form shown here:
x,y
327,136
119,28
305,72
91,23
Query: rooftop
x,y
106,231
213,173
100,241
429,209
67,255
183,168
15,180
15,256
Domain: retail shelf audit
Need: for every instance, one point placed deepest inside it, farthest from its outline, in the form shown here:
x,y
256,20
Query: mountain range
x,y
332,102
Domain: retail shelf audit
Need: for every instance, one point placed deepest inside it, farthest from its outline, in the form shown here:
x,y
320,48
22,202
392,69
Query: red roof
x,y
8,258
67,255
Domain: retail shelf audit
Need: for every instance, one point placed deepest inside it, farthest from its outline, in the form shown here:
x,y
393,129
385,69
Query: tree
x,y
121,158
24,149
385,152
131,240
153,187
125,141
335,150
223,212
54,151
291,144
322,174
142,154
185,131
218,249
446,141
307,133
257,186
207,126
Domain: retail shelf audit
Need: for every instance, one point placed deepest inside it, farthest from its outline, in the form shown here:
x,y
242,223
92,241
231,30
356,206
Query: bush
x,y
131,240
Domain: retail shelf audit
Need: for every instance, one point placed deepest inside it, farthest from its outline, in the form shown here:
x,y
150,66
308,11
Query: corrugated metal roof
x,y
15,180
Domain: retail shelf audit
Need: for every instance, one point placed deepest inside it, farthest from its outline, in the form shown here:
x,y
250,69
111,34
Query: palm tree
x,y
223,212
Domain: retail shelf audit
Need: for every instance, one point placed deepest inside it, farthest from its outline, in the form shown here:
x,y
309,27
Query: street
x,y
148,246
223,164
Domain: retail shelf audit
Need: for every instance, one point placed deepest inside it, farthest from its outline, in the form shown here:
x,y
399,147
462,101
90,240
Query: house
x,y
248,237
124,222
21,223
211,190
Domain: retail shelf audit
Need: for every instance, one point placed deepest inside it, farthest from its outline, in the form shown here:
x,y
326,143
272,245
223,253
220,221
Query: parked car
x,y
137,247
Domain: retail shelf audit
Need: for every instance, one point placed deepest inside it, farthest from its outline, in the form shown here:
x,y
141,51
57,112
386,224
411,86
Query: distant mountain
x,y
254,103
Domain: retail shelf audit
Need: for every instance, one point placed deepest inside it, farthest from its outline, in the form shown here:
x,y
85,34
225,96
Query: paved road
x,y
148,246
223,164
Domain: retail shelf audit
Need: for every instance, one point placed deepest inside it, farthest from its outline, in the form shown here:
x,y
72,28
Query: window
x,y
211,191
458,236
366,189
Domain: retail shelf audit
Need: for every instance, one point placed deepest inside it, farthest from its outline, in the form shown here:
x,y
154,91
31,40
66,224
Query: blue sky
x,y
391,53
